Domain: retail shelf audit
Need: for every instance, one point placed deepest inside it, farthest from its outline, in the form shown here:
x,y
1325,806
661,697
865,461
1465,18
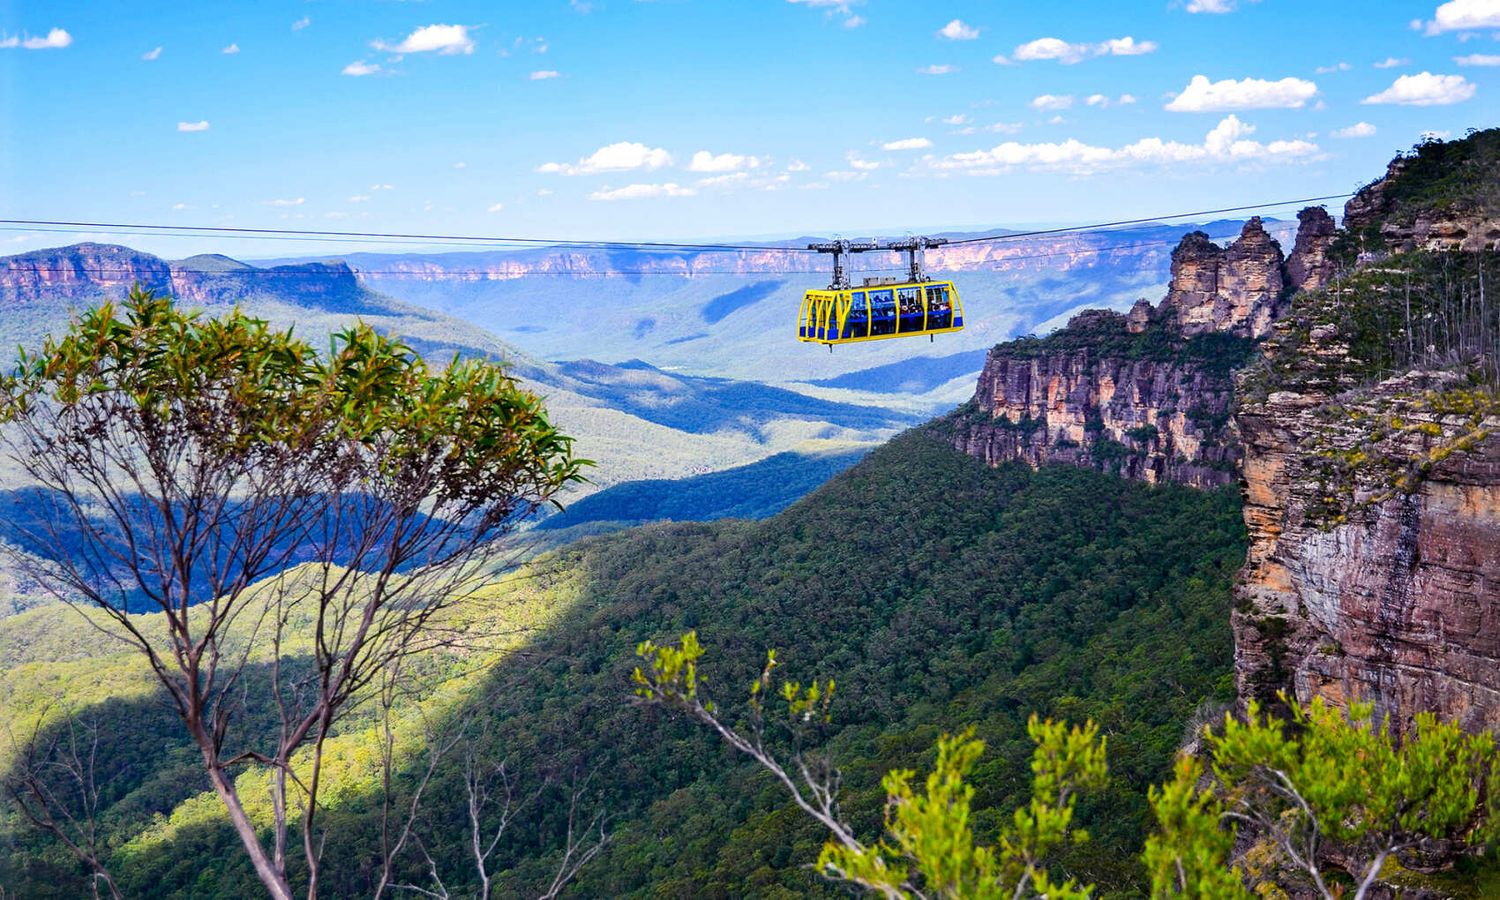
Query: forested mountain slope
x,y
939,592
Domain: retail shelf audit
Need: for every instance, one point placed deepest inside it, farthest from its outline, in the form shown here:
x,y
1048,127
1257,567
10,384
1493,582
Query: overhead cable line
x,y
552,243
1142,221
493,275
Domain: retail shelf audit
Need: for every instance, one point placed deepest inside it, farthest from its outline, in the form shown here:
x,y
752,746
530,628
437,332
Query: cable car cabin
x,y
879,309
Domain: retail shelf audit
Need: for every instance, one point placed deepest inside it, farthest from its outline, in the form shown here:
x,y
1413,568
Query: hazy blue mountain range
x,y
733,314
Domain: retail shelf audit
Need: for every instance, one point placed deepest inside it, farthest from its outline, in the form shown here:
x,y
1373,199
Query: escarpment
x,y
1147,394
1394,602
1371,440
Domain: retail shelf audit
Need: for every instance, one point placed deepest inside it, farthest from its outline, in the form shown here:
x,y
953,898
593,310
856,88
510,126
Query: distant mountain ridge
x,y
637,421
83,271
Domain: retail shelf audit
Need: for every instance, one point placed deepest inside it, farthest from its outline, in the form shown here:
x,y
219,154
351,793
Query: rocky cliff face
x,y
1147,394
1372,493
1310,265
85,272
1397,604
1236,289
1405,210
1151,419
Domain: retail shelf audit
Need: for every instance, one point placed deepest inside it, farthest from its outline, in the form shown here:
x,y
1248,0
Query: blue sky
x,y
712,118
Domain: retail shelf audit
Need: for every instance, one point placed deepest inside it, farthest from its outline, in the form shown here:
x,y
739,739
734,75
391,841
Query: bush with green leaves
x,y
1329,799
929,848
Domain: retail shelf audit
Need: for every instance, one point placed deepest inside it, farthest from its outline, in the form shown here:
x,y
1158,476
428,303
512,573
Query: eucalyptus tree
x,y
297,521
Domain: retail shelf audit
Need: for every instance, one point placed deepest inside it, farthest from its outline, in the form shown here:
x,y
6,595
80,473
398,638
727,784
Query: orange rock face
x,y
1396,606
1237,289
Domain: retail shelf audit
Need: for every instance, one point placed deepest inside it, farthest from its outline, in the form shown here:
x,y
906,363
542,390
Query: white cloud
x,y
544,192
1425,89
1435,135
1463,15
1478,59
642,192
446,40
542,75
798,165
193,126
1336,67
359,198
1226,142
302,23
1052,102
1210,6
863,165
704,161
382,187
723,180
836,7
495,207
956,119
1391,62
619,157
1126,99
1357,130
360,68
56,39
1201,95
1096,100
958,30
152,54
845,176
180,206
916,143
231,50
937,70
295,201
1066,53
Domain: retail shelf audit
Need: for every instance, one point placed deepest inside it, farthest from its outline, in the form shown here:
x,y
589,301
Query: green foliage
x,y
928,848
240,389
1447,175
1329,784
1104,334
944,594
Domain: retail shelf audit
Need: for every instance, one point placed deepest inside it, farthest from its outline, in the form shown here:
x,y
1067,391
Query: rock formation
x,y
1146,419
1310,267
85,272
1396,606
1147,407
1375,211
1237,289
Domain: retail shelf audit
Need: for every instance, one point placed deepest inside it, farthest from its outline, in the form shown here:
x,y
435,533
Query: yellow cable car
x,y
887,308
880,308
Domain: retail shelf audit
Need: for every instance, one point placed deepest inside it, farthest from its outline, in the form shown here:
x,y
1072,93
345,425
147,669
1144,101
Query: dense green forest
x,y
939,592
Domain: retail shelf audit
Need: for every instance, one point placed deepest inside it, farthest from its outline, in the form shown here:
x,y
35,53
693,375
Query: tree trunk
x,y
274,881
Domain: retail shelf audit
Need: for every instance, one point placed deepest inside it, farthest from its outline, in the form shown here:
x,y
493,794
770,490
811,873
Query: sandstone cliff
x,y
86,272
1144,415
1443,195
1394,603
1372,462
1146,394
1237,289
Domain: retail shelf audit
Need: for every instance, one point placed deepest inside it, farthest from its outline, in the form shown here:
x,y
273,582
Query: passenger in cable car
x,y
883,312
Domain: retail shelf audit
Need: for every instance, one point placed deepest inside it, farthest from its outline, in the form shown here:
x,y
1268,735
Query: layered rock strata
x,y
1152,420
1147,408
1395,606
